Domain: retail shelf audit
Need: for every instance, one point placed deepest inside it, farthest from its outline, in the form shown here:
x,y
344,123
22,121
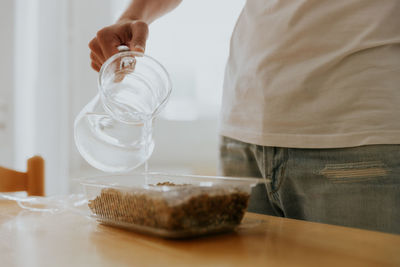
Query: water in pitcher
x,y
110,144
114,131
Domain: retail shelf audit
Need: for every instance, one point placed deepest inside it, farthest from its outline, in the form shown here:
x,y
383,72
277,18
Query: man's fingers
x,y
109,40
140,32
96,50
95,58
105,44
96,66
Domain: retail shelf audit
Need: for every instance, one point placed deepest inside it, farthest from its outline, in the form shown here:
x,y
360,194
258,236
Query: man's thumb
x,y
140,31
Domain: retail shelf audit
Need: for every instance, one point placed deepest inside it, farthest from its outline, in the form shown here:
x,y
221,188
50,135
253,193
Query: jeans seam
x,y
273,198
281,179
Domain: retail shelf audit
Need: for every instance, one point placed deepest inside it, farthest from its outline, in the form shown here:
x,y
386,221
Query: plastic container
x,y
114,131
170,206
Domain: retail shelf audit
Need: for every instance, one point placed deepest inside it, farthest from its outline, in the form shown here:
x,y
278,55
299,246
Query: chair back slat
x,y
35,176
31,181
12,181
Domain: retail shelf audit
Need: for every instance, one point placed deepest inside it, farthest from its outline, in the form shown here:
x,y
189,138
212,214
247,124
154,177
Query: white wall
x,y
41,88
6,83
192,42
52,81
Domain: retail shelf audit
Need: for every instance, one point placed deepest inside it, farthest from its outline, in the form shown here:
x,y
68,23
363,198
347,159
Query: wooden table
x,y
69,239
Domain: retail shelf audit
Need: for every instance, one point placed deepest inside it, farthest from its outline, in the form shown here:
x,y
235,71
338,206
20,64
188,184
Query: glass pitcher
x,y
113,132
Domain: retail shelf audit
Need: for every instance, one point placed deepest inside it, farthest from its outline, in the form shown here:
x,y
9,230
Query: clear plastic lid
x,y
172,206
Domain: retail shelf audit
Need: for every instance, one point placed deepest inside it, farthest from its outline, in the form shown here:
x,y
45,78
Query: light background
x,y
46,80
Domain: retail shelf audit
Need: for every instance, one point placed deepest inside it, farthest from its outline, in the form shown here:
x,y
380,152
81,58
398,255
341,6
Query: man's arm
x,y
148,10
131,29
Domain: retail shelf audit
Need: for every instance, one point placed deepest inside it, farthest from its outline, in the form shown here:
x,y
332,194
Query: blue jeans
x,y
355,187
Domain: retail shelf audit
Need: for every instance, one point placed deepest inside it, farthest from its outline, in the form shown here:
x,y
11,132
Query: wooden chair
x,y
31,181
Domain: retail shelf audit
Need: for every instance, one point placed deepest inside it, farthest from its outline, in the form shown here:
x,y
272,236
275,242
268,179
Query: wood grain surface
x,y
30,238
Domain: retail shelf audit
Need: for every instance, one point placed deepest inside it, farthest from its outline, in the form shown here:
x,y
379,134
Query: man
x,y
311,102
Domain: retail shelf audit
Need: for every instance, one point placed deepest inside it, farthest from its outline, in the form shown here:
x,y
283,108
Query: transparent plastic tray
x,y
170,206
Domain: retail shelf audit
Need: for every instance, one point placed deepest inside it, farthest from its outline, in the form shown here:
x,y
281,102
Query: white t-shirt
x,y
314,74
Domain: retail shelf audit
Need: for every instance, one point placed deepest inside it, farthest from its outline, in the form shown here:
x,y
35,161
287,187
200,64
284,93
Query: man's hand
x,y
130,30
132,33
